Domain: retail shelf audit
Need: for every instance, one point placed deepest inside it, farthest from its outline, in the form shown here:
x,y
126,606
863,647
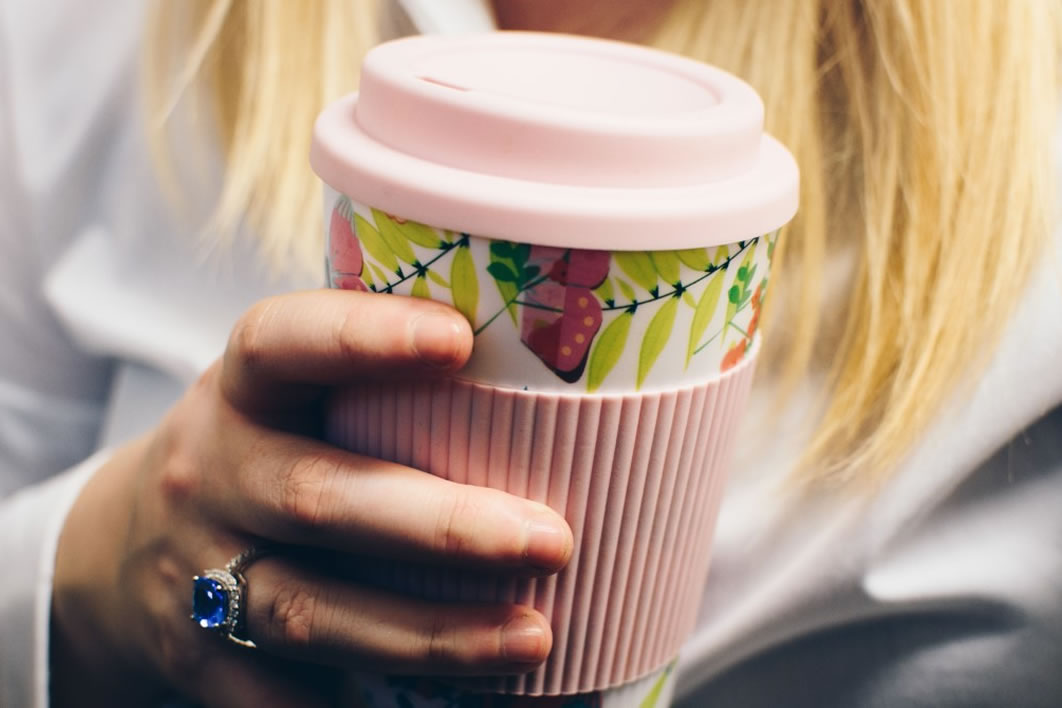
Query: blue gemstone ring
x,y
218,594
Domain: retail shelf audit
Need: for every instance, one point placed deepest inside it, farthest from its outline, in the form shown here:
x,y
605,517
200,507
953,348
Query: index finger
x,y
286,344
304,492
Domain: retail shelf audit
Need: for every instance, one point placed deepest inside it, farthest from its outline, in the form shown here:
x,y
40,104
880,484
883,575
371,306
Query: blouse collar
x,y
449,16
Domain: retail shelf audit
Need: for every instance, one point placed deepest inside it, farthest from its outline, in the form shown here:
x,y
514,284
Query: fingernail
x,y
435,339
524,640
548,545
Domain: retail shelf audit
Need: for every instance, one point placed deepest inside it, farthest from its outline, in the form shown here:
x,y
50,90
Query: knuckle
x,y
206,382
292,616
179,478
350,334
178,462
247,343
452,524
440,641
304,492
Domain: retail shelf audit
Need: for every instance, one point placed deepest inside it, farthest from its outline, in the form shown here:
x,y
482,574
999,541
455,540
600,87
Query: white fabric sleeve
x,y
449,16
30,523
51,392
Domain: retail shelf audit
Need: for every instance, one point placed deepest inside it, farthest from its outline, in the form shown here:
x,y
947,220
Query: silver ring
x,y
218,596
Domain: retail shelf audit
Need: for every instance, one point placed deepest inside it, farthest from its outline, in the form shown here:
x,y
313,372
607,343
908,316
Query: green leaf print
x,y
527,275
721,254
393,237
751,279
502,272
464,284
688,299
746,261
521,252
695,258
702,316
438,279
654,693
501,253
737,294
667,264
607,350
420,234
638,266
626,289
604,291
656,336
379,274
375,245
420,288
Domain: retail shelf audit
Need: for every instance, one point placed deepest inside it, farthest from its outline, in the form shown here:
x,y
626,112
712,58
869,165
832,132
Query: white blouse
x,y
945,590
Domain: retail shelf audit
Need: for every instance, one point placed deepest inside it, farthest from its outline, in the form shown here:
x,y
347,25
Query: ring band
x,y
218,595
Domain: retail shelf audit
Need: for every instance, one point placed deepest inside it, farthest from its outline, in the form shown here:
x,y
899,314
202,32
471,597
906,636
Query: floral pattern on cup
x,y
574,309
345,260
553,290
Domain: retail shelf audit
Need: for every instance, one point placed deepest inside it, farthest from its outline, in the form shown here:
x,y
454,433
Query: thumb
x,y
287,347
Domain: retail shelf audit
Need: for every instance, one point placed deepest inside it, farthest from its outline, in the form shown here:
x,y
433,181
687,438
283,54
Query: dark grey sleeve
x,y
1000,651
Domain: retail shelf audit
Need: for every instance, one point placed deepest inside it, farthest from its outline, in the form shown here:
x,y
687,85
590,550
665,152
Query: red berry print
x,y
757,303
735,355
754,323
587,268
562,315
344,281
561,339
344,249
572,266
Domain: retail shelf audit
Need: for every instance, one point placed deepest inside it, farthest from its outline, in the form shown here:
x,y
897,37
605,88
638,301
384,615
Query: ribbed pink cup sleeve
x,y
639,478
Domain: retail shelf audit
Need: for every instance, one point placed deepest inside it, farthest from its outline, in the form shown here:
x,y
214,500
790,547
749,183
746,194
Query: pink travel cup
x,y
604,216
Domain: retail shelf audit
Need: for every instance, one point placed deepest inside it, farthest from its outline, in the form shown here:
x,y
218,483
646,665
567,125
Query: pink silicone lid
x,y
557,140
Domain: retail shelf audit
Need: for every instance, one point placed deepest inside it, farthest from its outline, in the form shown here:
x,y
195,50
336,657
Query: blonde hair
x,y
922,128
